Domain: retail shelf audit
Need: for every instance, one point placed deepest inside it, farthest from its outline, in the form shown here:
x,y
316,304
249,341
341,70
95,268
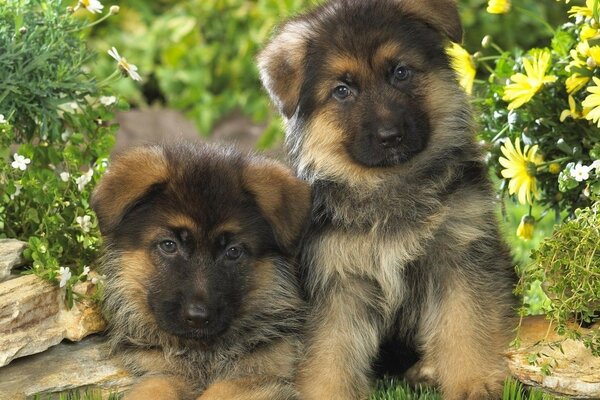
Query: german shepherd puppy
x,y
403,246
201,291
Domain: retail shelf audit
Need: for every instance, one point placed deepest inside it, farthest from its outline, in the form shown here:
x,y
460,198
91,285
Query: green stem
x,y
96,22
499,135
537,18
108,79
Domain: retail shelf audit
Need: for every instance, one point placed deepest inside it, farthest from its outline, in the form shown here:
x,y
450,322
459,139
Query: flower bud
x,y
591,62
23,30
486,41
554,168
114,10
526,227
70,10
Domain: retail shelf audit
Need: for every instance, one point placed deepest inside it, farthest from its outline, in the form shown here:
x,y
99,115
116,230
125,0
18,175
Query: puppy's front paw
x,y
156,388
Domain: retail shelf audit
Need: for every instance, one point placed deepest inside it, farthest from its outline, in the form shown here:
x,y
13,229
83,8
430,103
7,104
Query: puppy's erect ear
x,y
284,200
281,65
127,180
441,15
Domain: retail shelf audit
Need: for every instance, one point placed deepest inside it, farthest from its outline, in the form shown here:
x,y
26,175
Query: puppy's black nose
x,y
196,314
389,137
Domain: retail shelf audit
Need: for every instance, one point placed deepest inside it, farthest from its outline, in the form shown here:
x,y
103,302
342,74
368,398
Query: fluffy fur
x,y
403,248
201,291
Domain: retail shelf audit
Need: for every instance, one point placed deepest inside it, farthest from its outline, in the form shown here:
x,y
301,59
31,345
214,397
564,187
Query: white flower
x,y
65,275
129,69
86,271
17,191
64,176
108,100
2,120
580,172
84,179
596,165
65,136
20,162
84,222
93,6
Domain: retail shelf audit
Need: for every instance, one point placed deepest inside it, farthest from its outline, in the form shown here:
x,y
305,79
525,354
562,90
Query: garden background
x,y
82,80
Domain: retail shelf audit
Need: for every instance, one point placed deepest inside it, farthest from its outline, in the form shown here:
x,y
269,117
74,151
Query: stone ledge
x,y
33,317
68,366
11,251
576,373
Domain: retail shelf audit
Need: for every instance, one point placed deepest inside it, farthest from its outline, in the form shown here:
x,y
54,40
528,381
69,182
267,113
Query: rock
x,y
68,366
11,251
33,317
575,371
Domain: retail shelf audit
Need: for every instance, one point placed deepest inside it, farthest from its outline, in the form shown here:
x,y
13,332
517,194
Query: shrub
x,y
54,136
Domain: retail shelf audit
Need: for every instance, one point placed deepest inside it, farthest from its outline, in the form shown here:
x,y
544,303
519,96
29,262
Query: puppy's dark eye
x,y
402,73
233,253
341,92
168,246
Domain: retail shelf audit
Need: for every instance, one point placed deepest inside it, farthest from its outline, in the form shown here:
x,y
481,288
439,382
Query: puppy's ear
x,y
284,200
127,180
441,15
280,65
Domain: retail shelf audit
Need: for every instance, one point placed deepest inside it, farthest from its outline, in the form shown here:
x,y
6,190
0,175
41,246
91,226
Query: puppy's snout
x,y
389,136
196,314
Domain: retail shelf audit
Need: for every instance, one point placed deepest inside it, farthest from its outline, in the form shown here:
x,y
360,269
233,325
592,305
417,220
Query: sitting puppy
x,y
403,248
201,291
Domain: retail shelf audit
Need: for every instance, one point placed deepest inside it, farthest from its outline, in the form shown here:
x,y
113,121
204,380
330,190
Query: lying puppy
x,y
201,289
404,246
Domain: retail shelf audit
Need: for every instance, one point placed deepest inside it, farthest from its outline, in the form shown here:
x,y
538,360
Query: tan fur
x,y
441,14
274,188
152,168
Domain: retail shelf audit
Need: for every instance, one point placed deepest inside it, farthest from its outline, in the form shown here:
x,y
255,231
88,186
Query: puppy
x,y
201,290
403,247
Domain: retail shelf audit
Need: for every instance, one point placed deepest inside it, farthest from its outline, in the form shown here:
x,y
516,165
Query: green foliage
x,y
569,263
54,138
507,30
199,55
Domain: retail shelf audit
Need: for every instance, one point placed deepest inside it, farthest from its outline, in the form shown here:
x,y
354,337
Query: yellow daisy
x,y
520,166
572,112
462,63
526,227
587,32
592,101
587,11
498,6
526,85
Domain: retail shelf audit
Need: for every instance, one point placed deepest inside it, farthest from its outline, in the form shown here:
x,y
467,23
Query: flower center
x,y
531,169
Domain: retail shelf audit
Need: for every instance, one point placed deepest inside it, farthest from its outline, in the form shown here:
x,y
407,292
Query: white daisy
x,y
108,100
84,222
93,6
84,179
124,66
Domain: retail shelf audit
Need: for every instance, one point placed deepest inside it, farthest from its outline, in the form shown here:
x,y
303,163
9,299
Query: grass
x,y
388,389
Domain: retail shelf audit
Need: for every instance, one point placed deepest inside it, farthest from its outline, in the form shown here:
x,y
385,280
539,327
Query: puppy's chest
x,y
370,256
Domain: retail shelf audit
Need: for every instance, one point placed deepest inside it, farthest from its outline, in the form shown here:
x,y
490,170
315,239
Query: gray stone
x,y
68,366
11,251
575,371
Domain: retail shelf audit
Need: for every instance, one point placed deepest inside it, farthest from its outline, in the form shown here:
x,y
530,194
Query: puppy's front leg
x,y
159,387
343,338
250,388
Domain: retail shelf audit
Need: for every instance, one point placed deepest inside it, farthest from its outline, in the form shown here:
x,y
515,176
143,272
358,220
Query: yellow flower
x,y
498,6
576,82
520,167
587,32
554,168
526,227
572,112
592,101
587,11
463,65
526,85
